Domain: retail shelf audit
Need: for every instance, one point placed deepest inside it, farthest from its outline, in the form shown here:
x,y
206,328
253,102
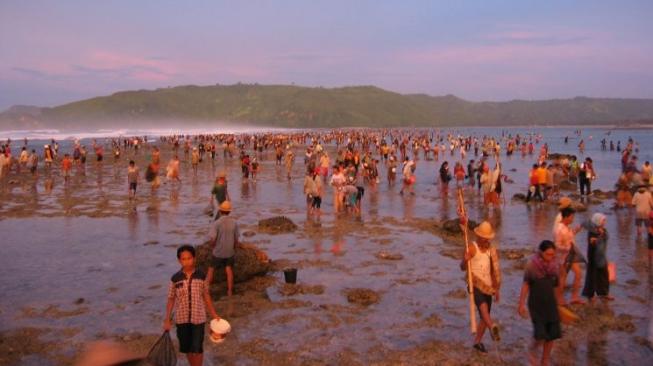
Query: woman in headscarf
x,y
596,277
540,282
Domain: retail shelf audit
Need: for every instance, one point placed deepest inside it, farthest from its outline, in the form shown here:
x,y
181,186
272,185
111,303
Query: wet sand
x,y
384,288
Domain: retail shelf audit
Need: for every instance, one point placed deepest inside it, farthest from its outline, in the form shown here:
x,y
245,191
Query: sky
x,y
55,52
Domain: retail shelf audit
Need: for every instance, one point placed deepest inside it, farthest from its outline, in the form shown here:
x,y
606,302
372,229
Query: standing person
x,y
66,167
172,170
471,172
486,278
585,176
33,162
223,239
459,173
408,176
392,170
317,196
534,186
569,256
643,202
338,182
195,160
188,296
596,275
289,161
219,193
445,177
540,281
47,156
310,190
541,180
132,179
255,167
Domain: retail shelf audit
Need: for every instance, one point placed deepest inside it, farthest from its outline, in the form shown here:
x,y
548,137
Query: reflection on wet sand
x,y
119,256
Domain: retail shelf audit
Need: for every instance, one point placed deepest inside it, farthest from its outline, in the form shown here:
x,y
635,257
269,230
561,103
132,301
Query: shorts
x,y
480,298
222,262
132,187
548,331
191,337
317,202
650,242
641,222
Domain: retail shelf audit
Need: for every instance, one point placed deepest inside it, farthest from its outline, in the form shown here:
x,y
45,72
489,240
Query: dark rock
x,y
362,296
249,262
604,195
568,186
389,256
459,293
515,253
249,234
556,156
519,197
452,226
79,301
299,289
276,225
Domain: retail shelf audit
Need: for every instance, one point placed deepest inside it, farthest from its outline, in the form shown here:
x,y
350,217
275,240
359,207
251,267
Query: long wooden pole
x,y
470,285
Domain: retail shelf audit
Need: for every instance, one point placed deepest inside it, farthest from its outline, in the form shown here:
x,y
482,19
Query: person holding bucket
x,y
223,238
188,295
486,278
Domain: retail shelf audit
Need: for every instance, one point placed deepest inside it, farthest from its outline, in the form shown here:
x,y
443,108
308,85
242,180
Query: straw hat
x,y
564,202
484,230
225,206
222,174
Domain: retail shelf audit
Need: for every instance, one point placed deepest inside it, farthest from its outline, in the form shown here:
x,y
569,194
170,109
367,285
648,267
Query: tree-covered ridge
x,y
296,106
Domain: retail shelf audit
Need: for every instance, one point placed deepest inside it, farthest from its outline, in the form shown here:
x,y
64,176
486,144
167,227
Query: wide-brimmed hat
x,y
225,206
484,230
564,202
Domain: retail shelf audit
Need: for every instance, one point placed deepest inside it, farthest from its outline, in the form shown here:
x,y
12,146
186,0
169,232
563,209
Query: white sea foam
x,y
47,134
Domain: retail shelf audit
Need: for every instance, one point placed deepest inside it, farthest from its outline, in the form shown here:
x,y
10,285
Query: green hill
x,y
295,106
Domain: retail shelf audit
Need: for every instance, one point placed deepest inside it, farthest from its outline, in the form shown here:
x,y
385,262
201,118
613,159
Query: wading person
x,y
188,295
223,239
132,179
596,275
568,255
219,193
643,202
540,282
486,278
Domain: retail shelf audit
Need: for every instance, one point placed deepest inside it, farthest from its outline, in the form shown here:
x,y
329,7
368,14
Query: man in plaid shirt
x,y
189,291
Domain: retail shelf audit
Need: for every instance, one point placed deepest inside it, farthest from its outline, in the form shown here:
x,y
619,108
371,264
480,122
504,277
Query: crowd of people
x,y
350,161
